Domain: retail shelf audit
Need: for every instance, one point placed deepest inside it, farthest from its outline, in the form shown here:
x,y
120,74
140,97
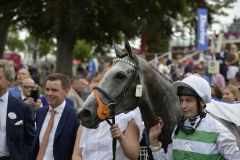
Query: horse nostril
x,y
85,113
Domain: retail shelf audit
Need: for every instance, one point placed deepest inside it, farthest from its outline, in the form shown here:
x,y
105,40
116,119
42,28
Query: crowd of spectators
x,y
225,86
229,73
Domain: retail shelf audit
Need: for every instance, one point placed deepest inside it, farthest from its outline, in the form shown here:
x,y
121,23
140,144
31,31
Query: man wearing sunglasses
x,y
197,136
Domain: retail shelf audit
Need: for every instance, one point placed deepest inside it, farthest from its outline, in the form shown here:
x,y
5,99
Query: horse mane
x,y
162,74
159,99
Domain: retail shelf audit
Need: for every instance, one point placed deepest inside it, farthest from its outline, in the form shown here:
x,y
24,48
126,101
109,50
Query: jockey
x,y
197,136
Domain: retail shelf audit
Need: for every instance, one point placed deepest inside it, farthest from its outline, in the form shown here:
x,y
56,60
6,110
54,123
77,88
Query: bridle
x,y
106,112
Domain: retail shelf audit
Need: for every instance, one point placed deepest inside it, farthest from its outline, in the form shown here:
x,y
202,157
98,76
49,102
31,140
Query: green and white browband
x,y
127,60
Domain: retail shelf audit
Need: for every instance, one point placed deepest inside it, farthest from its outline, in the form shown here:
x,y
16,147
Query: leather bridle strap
x,y
104,113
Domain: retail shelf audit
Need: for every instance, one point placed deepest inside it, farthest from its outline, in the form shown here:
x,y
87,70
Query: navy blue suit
x,y
65,135
19,137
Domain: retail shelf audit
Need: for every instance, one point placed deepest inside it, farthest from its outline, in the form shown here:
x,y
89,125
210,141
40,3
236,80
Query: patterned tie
x,y
44,143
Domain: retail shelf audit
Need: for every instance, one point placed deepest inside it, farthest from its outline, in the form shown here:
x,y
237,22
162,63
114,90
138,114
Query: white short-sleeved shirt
x,y
97,143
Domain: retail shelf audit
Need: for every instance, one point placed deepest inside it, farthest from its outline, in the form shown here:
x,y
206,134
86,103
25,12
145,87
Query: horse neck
x,y
158,99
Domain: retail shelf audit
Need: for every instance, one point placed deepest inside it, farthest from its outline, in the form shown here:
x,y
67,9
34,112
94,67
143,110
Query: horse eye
x,y
120,75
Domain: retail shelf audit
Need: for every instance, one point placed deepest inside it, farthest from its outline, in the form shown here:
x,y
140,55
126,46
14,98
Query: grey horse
x,y
132,82
118,88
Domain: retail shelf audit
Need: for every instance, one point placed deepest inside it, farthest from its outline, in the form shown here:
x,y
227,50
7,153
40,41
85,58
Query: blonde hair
x,y
234,90
234,46
9,70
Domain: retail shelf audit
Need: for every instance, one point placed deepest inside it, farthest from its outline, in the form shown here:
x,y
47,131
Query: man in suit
x,y
57,123
16,123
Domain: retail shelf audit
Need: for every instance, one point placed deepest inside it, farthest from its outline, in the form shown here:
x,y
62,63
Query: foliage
x,y
9,10
82,50
101,21
13,42
38,45
98,22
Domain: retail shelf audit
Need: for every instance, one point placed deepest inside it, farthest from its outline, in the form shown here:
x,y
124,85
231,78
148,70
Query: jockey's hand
x,y
155,131
116,132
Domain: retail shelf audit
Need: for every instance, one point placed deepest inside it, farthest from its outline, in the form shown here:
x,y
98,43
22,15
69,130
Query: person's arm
x,y
129,140
227,145
235,60
158,152
77,151
32,103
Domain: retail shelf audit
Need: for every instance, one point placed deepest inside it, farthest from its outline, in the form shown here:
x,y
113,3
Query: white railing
x,y
143,153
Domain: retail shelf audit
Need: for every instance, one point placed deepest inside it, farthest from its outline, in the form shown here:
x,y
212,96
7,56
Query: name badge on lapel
x,y
12,115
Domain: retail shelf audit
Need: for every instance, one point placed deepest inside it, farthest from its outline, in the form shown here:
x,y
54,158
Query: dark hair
x,y
59,76
76,78
185,91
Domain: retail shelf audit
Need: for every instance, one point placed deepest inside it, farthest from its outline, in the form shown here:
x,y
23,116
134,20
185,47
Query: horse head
x,y
115,93
132,82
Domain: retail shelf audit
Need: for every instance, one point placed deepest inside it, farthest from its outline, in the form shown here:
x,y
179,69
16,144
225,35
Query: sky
x,y
225,21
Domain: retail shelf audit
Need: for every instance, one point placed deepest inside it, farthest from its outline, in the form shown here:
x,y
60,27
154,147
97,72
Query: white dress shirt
x,y
3,119
49,150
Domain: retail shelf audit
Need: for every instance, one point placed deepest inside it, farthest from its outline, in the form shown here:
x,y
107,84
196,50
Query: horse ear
x,y
128,48
118,51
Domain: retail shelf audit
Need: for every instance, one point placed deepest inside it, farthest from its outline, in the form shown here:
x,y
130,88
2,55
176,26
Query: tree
x,y
13,41
38,46
6,16
82,50
9,15
98,22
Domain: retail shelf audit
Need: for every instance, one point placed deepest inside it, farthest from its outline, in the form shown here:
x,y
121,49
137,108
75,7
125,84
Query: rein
x,y
106,112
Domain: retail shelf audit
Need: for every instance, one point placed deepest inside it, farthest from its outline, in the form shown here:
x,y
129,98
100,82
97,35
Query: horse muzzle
x,y
88,119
